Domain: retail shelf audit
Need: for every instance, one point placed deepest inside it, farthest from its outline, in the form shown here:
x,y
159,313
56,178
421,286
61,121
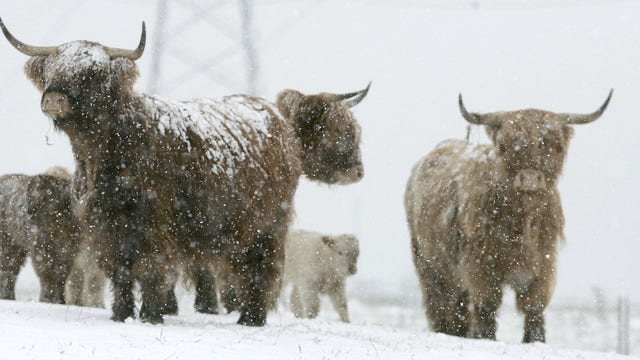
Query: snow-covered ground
x,y
381,328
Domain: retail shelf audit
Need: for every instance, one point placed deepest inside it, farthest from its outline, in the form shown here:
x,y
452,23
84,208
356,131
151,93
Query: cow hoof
x,y
120,318
171,307
207,310
120,315
151,315
252,320
154,320
51,300
482,334
535,335
206,306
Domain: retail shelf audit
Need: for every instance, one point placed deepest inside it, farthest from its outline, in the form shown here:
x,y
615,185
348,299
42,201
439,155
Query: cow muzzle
x,y
56,105
530,180
353,269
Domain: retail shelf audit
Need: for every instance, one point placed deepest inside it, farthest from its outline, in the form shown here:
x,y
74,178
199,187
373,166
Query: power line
x,y
240,35
250,53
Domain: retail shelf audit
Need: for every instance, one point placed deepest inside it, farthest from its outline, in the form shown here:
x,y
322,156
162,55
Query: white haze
x,y
560,56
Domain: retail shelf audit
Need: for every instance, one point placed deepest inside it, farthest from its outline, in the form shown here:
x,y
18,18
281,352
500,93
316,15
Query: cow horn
x,y
130,54
576,119
24,48
353,98
475,118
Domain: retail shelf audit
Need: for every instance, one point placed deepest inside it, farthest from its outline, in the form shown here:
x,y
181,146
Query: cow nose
x,y
530,180
353,269
56,104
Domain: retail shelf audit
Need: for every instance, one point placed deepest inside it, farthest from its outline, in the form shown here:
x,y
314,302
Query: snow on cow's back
x,y
13,202
235,128
467,171
13,190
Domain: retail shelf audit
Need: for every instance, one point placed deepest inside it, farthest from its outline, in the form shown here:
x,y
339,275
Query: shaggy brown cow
x,y
159,182
482,217
35,221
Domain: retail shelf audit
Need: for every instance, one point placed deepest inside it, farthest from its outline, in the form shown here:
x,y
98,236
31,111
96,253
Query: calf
x,y
36,221
318,264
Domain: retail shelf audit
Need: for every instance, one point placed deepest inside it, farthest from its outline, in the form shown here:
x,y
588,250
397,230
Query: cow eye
x,y
502,148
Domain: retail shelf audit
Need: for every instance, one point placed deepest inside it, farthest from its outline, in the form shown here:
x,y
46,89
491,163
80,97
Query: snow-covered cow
x,y
160,182
318,264
482,217
36,221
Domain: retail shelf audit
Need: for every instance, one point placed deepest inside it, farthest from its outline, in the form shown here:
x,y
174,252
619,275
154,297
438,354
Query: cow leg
x,y
460,317
254,283
433,298
170,307
305,302
85,282
51,286
445,304
310,296
74,285
123,304
296,302
228,297
11,260
339,300
206,298
154,298
486,297
532,301
52,269
128,248
259,268
93,288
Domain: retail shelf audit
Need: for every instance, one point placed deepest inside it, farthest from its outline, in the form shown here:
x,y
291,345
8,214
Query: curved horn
x,y
479,119
28,50
470,117
353,98
130,54
576,119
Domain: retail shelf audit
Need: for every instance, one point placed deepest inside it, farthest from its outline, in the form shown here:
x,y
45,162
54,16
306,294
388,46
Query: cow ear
x,y
567,131
124,74
287,102
309,114
328,241
34,69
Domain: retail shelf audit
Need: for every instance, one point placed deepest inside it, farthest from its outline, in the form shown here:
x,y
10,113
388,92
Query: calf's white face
x,y
346,248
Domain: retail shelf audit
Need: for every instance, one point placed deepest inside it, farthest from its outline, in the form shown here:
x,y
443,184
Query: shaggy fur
x,y
318,264
36,221
160,184
482,217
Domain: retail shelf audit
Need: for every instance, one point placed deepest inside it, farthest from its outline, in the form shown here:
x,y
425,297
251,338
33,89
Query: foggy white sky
x,y
560,56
